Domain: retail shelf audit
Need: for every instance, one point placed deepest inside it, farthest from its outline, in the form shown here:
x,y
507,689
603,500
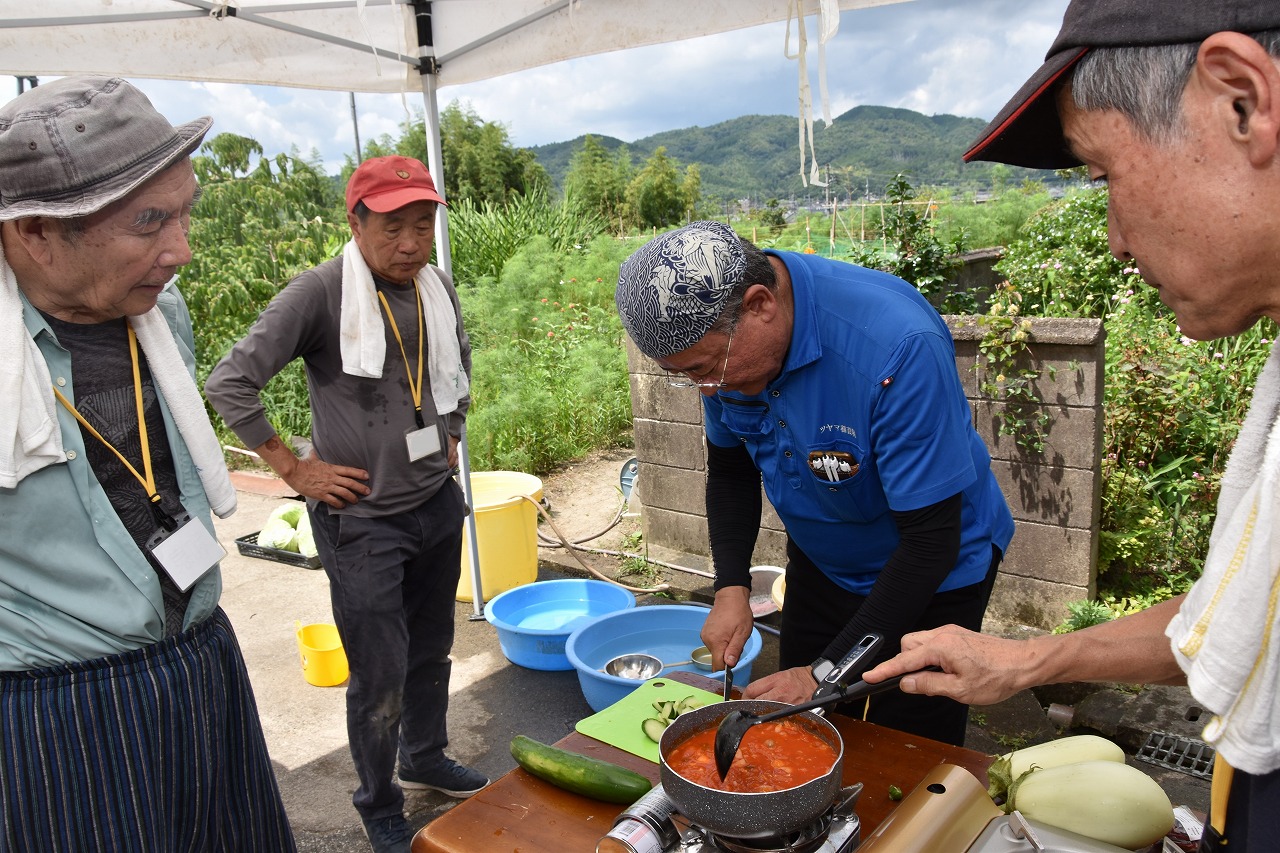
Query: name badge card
x,y
422,442
187,552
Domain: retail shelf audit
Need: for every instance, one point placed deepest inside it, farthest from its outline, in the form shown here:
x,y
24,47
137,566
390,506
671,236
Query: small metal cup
x,y
635,666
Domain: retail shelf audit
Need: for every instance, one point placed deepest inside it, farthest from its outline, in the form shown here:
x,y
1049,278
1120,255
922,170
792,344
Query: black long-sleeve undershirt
x,y
928,547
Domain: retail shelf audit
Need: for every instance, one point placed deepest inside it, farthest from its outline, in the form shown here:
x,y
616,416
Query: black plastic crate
x,y
249,547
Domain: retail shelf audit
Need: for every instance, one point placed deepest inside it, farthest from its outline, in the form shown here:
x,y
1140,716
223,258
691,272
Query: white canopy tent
x,y
388,46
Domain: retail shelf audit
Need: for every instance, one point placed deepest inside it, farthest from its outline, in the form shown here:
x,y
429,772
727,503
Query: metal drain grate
x,y
1186,755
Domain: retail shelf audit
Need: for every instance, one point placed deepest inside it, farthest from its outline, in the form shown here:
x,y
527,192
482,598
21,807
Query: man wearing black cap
x,y
388,364
129,722
1175,105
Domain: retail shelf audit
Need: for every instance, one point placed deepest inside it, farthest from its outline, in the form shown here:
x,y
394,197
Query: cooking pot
x,y
749,815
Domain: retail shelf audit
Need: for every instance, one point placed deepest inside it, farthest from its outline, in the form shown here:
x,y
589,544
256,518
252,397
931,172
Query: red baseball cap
x,y
385,184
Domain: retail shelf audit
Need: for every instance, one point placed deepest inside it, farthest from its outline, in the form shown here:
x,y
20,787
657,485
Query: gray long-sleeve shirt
x,y
355,421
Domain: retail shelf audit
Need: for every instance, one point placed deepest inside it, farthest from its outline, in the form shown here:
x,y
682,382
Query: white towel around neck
x,y
362,330
1225,634
30,438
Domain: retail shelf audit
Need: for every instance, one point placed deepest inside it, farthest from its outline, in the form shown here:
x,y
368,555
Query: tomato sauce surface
x,y
773,756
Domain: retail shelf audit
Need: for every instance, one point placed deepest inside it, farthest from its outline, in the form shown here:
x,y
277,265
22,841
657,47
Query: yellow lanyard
x,y
414,388
1219,793
148,479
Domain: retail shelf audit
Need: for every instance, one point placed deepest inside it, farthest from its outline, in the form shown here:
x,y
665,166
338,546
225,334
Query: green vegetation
x,y
1172,406
480,163
755,157
913,251
536,275
536,287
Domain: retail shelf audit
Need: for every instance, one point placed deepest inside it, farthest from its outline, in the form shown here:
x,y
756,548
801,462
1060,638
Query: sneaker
x,y
388,834
450,778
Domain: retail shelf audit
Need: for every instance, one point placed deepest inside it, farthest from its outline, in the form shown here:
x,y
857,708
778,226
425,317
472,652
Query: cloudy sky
x,y
963,57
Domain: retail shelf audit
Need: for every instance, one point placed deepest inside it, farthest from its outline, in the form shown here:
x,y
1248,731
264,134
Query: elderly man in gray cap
x,y
1176,107
129,721
837,385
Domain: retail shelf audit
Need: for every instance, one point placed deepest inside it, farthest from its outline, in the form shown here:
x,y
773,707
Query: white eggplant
x,y
1006,769
1104,800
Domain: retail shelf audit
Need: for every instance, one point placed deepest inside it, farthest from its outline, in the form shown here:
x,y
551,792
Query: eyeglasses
x,y
680,379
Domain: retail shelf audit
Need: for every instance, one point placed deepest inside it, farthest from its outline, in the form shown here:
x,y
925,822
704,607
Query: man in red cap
x,y
388,364
1175,105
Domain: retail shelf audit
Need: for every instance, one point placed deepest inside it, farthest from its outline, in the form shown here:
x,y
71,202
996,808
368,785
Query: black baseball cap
x,y
1027,131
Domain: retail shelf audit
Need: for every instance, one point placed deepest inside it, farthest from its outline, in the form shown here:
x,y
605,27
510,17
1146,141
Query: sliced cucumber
x,y
653,729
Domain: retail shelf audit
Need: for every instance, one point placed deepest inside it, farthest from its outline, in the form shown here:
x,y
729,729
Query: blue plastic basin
x,y
669,632
534,621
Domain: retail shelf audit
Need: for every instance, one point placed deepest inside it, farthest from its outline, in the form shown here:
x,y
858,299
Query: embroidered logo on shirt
x,y
832,465
848,430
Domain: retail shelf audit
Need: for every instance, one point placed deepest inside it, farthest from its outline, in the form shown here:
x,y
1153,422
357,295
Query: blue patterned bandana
x,y
670,291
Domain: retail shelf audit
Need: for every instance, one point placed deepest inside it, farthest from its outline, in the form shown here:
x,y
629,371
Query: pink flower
x,y
551,334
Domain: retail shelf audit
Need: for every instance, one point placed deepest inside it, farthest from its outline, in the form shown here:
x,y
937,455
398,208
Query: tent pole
x,y
435,164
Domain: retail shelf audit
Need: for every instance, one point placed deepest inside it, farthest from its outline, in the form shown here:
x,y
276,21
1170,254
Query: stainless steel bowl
x,y
636,666
701,658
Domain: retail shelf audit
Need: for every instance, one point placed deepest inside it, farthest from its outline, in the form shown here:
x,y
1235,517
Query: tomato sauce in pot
x,y
773,756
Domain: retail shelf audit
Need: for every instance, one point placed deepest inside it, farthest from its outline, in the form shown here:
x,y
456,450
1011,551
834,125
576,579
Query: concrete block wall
x,y
1055,495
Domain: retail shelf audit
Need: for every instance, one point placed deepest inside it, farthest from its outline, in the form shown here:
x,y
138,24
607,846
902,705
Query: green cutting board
x,y
619,724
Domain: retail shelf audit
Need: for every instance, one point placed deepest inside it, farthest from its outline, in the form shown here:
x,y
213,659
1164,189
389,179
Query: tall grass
x,y
544,390
548,365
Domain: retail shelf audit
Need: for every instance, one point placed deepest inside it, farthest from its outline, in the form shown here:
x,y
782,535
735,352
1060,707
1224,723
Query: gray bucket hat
x,y
672,289
73,146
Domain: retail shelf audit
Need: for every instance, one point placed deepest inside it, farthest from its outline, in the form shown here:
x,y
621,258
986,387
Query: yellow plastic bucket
x,y
506,532
324,663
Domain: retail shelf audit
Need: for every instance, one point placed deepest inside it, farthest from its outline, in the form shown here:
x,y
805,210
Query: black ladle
x,y
735,724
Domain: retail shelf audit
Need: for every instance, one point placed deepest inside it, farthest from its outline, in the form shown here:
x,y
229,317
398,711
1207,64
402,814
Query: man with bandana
x,y
837,387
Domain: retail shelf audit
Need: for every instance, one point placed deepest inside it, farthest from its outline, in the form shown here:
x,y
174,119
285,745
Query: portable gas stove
x,y
653,825
948,812
836,831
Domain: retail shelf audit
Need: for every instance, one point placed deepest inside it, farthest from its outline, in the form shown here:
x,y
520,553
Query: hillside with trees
x,y
756,157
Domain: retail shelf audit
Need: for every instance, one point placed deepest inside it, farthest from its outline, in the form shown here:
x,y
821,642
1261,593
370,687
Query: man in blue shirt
x,y
129,723
837,387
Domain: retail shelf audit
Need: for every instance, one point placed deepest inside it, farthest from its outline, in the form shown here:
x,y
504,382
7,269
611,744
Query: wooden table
x,y
523,814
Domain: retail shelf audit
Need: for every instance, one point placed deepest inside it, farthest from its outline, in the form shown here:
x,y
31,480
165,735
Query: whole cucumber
x,y
581,774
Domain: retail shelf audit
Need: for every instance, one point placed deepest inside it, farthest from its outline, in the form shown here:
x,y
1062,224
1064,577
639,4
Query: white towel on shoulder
x,y
362,330
29,434
1225,634
30,438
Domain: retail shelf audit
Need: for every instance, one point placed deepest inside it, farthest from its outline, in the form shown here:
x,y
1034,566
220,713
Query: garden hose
x,y
574,551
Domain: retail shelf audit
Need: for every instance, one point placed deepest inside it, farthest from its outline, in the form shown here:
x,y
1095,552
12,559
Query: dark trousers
x,y
817,610
393,581
155,749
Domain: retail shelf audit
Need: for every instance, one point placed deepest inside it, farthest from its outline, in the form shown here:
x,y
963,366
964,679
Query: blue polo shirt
x,y
868,415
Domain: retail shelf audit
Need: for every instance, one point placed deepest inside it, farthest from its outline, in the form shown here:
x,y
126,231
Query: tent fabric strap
x,y
828,26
